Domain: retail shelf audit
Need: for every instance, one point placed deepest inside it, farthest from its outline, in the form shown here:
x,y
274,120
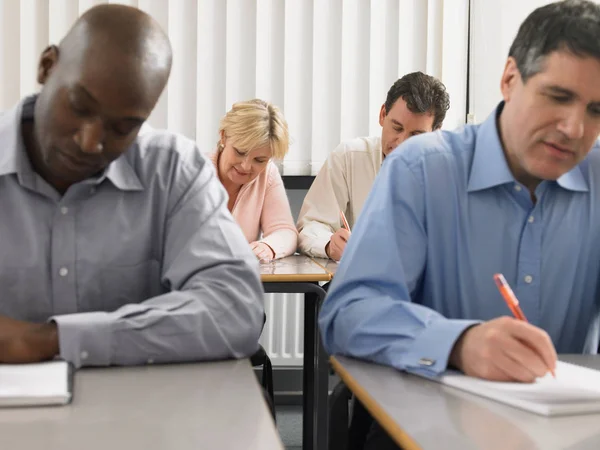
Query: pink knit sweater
x,y
262,208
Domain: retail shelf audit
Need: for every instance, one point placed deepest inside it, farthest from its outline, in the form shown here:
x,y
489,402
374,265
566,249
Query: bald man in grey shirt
x,y
116,247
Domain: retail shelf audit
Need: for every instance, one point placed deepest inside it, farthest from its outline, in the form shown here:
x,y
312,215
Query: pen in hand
x,y
344,221
511,300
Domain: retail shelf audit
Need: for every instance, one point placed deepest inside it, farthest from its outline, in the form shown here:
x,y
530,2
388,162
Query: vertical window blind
x,y
327,64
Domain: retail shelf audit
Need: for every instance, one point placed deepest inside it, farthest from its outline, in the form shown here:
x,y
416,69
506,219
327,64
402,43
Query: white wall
x,y
494,25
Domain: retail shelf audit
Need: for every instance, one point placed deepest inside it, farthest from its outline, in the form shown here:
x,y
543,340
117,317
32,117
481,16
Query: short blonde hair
x,y
256,123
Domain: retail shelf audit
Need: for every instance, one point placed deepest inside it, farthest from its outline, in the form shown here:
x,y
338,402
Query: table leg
x,y
315,378
315,373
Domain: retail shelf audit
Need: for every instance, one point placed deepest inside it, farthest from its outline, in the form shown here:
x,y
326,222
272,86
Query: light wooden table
x,y
301,275
328,264
422,414
217,405
293,269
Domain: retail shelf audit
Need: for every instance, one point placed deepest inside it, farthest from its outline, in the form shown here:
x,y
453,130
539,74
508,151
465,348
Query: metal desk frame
x,y
315,374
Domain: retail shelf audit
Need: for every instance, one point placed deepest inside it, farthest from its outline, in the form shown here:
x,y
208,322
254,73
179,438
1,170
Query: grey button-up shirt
x,y
142,264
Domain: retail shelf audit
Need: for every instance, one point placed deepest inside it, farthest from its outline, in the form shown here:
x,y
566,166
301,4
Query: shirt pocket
x,y
110,287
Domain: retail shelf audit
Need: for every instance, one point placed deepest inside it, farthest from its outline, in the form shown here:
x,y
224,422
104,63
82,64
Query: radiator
x,y
283,335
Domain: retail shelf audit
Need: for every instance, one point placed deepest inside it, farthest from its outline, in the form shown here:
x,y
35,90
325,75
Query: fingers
x,y
508,369
537,340
504,349
525,357
262,251
343,234
336,247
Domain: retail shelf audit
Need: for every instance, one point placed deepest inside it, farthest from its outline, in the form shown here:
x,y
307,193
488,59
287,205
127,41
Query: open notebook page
x,y
573,385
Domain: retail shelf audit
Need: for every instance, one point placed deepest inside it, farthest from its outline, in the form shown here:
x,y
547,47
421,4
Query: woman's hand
x,y
262,251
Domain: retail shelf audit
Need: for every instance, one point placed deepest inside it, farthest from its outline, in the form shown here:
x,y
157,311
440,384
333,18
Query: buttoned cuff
x,y
318,247
430,352
84,339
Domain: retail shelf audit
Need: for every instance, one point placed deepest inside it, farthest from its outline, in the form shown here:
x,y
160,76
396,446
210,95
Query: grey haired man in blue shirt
x,y
117,247
517,194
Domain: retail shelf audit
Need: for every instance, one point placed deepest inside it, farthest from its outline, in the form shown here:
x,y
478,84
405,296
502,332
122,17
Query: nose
x,y
400,138
246,164
572,126
90,136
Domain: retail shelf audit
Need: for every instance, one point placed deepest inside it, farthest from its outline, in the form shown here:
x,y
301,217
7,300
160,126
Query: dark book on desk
x,y
40,384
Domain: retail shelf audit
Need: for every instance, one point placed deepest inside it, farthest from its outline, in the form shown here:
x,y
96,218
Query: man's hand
x,y
337,244
504,349
262,251
26,342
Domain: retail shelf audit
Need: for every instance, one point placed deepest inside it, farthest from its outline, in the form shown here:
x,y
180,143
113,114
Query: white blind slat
x,y
327,65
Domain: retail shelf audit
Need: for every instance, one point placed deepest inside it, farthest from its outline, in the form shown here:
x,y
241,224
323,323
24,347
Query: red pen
x,y
511,300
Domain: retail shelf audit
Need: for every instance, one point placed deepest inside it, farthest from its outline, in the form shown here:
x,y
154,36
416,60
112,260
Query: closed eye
x,y
560,98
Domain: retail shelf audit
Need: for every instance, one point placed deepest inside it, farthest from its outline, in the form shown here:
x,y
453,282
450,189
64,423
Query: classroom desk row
x,y
421,414
302,275
211,405
185,406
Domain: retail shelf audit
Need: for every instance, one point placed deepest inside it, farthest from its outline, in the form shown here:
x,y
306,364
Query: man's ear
x,y
382,114
48,61
510,78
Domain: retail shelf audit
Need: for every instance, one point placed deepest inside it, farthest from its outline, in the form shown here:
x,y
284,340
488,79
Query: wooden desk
x,y
328,264
421,414
301,275
293,269
189,406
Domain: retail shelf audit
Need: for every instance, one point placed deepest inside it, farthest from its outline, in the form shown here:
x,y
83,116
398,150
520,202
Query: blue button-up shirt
x,y
141,263
445,215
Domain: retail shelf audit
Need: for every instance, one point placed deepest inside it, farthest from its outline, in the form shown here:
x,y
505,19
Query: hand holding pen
x,y
337,243
505,349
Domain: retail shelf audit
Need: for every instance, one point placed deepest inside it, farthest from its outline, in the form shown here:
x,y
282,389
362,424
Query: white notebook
x,y
47,383
575,390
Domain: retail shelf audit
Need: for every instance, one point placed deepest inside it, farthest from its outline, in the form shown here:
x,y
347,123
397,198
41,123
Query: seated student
x,y
517,194
252,133
415,104
116,248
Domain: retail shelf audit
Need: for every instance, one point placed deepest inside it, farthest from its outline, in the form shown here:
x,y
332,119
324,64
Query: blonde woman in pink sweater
x,y
252,134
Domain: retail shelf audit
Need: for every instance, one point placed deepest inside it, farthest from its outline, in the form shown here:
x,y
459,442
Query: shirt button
x,y
63,272
528,279
517,187
64,210
84,355
531,219
150,361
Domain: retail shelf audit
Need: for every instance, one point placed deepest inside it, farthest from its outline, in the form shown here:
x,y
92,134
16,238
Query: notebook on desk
x,y
575,390
41,384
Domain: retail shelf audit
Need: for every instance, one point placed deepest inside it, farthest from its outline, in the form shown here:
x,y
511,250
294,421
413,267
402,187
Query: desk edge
x,y
295,278
396,433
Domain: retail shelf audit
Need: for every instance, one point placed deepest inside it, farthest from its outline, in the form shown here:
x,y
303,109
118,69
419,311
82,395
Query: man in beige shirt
x,y
415,104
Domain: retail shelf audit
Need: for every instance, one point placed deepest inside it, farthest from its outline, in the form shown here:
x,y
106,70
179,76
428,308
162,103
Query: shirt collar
x,y
490,169
378,155
121,174
14,159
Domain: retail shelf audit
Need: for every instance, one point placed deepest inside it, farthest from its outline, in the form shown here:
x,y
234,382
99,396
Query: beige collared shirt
x,y
343,183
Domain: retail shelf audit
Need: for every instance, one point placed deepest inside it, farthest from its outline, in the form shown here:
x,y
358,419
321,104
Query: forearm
x,y
313,239
391,332
220,319
284,242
